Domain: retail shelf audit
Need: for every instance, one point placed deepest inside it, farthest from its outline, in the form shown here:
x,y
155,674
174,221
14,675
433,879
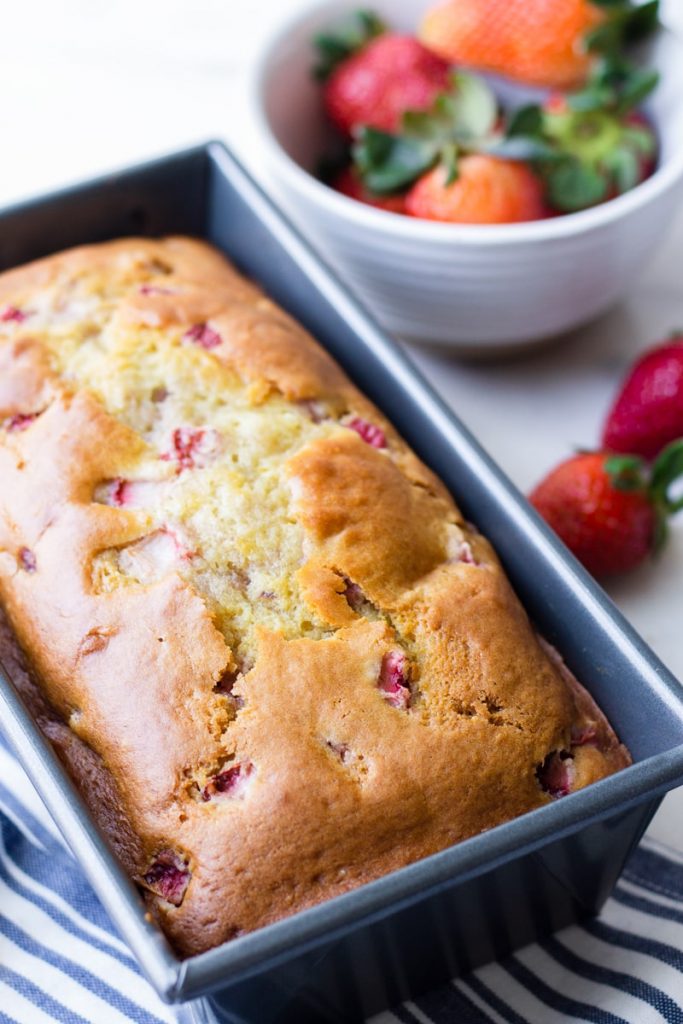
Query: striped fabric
x,y
61,961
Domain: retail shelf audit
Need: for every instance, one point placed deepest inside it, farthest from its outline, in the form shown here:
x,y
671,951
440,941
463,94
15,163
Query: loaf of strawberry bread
x,y
269,650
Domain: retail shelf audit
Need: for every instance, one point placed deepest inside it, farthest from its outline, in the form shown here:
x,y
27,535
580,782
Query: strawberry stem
x,y
627,472
667,470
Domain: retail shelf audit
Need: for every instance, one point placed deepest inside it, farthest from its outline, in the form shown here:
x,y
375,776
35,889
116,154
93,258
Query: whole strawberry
x,y
648,412
385,78
529,40
610,510
549,43
486,191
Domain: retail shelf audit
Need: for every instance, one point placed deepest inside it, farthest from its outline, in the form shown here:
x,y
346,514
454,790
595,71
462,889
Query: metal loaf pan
x,y
386,941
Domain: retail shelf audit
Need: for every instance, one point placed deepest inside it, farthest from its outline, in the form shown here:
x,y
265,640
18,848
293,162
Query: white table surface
x,y
88,86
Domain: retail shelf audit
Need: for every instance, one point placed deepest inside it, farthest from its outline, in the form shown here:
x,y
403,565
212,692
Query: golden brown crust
x,y
277,743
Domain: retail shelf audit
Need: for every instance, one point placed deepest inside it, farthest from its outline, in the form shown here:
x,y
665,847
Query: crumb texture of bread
x,y
256,628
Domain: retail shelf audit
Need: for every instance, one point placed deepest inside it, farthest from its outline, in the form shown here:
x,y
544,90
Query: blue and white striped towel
x,y
60,959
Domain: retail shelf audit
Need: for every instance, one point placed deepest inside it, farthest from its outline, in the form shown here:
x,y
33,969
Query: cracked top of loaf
x,y
257,629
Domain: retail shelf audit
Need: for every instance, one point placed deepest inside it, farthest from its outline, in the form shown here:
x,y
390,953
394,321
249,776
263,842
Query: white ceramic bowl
x,y
472,287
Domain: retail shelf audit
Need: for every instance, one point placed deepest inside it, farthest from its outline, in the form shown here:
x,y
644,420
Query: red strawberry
x,y
648,412
533,41
552,43
377,85
349,184
487,190
608,510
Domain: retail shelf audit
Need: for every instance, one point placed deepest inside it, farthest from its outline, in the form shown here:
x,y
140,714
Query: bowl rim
x,y
414,229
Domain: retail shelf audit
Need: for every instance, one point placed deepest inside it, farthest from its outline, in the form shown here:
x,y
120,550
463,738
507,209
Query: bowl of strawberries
x,y
482,173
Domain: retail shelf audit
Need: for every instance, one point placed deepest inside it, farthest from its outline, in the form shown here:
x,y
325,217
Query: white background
x,y
89,85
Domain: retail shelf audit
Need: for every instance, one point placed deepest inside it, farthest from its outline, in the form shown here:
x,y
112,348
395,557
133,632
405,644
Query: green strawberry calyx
x,y
463,120
625,23
660,483
588,145
615,84
344,38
